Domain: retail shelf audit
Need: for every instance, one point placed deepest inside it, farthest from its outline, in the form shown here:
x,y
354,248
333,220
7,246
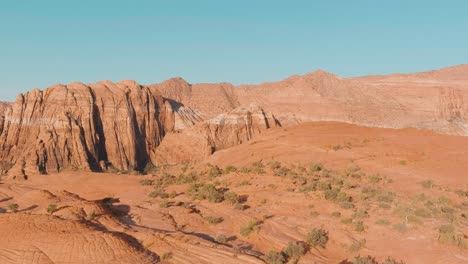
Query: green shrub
x,y
448,234
213,220
274,165
294,251
221,239
357,245
13,207
359,226
91,215
258,167
252,226
206,192
231,197
158,192
347,205
214,172
364,260
336,214
374,178
346,221
274,257
323,186
164,204
428,184
360,213
283,172
51,208
316,167
382,222
146,182
230,169
387,197
239,206
318,237
189,178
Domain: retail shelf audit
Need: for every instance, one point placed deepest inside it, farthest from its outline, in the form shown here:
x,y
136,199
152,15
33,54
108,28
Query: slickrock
x,y
43,239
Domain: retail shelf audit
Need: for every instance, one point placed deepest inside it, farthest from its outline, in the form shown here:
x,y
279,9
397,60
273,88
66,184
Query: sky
x,y
239,41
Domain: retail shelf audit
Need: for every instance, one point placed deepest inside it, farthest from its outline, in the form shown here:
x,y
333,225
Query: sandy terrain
x,y
400,187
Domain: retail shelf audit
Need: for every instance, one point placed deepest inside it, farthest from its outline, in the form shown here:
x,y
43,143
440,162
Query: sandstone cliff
x,y
85,127
221,132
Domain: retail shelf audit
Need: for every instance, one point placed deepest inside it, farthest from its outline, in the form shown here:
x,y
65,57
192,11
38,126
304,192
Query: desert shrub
x,y
364,260
374,178
323,186
164,203
240,206
347,205
13,207
221,239
309,188
386,197
382,222
274,165
165,256
353,171
315,167
252,226
230,169
189,178
336,214
231,197
213,220
359,226
331,194
214,172
258,167
422,212
244,183
392,261
360,213
283,172
294,251
428,184
357,245
368,192
149,168
346,221
448,234
385,205
91,215
372,260
274,257
158,192
337,196
146,182
165,180
318,237
51,208
314,213
208,192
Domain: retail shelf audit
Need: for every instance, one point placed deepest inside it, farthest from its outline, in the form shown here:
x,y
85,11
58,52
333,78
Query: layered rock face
x,y
85,127
221,132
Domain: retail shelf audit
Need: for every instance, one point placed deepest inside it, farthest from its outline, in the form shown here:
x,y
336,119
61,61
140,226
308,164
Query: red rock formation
x,y
83,127
221,132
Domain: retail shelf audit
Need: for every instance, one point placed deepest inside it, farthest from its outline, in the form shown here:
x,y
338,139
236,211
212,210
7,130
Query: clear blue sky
x,y
240,41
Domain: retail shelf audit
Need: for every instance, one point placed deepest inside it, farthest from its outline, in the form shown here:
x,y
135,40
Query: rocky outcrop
x,y
221,132
87,127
